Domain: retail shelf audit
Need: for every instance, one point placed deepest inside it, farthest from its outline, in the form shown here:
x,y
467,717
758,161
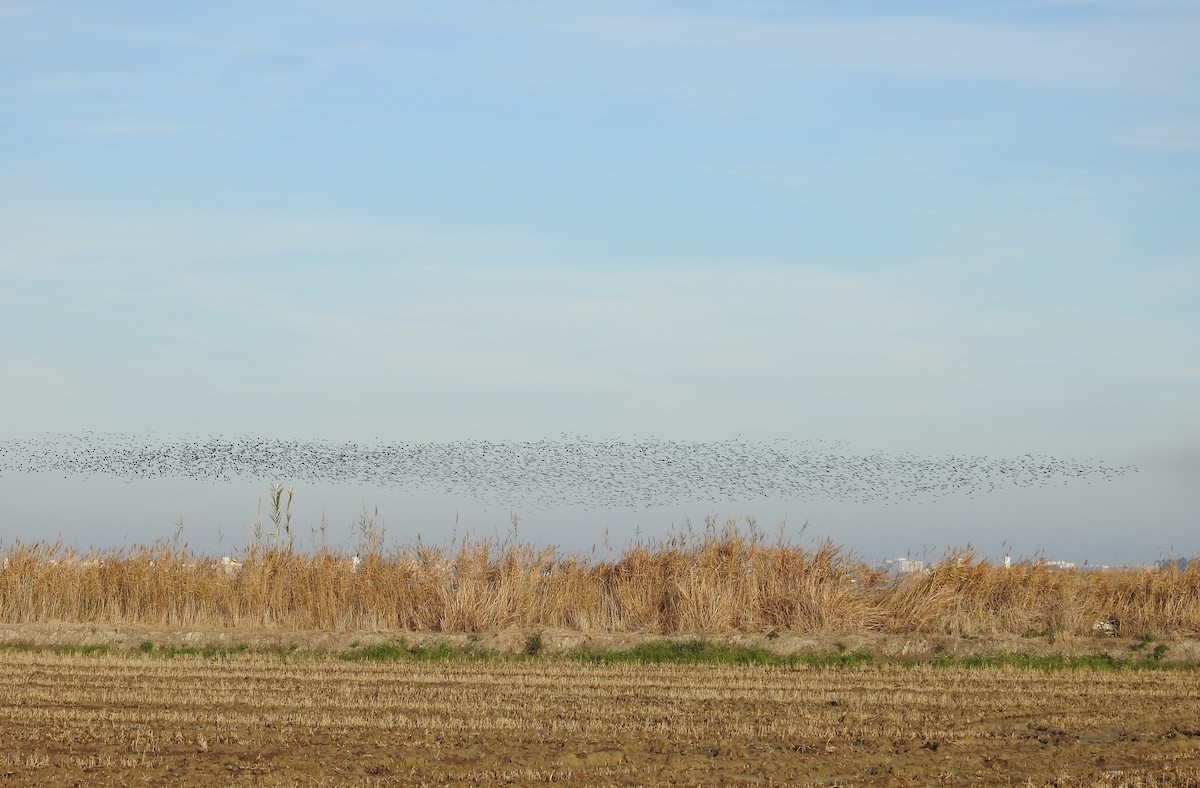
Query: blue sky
x,y
923,227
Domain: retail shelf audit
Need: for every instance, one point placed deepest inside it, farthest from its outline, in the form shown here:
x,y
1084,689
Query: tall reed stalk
x,y
726,580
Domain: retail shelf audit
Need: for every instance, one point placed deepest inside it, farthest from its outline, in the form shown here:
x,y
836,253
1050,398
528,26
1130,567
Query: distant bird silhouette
x,y
572,470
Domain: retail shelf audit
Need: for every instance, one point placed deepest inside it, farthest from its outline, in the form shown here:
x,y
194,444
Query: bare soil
x,y
126,718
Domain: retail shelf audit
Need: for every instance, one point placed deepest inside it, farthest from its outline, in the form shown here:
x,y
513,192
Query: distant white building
x,y
902,566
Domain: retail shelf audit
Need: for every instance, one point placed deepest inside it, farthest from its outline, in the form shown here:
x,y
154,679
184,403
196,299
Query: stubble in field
x,y
260,719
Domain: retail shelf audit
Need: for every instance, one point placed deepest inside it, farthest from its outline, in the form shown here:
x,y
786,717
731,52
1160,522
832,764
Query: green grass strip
x,y
693,651
1097,662
402,650
72,649
699,651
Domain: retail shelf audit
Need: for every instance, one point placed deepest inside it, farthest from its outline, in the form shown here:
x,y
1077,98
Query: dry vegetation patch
x,y
506,663
727,581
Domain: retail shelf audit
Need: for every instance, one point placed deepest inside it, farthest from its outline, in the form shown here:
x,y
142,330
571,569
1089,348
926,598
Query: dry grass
x,y
727,580
964,595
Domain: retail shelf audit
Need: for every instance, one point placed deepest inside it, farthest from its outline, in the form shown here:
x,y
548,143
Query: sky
x,y
933,228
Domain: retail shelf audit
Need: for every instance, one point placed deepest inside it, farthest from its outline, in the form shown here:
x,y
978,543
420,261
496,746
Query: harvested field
x,y
509,663
118,718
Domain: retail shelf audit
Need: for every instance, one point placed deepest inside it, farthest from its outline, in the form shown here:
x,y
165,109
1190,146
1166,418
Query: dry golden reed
x,y
723,581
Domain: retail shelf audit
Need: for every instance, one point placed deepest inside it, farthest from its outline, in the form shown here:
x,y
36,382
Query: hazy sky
x,y
924,227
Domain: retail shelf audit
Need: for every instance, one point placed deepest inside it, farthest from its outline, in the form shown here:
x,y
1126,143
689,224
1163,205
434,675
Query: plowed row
x,y
269,720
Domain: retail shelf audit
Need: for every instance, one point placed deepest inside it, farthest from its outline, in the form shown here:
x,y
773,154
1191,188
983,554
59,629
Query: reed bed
x,y
725,581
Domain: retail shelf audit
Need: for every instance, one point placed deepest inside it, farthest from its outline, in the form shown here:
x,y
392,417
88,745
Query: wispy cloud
x,y
70,84
127,126
1134,5
1181,136
726,57
759,344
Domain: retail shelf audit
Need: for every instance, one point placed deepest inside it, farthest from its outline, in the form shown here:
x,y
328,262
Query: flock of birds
x,y
570,470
